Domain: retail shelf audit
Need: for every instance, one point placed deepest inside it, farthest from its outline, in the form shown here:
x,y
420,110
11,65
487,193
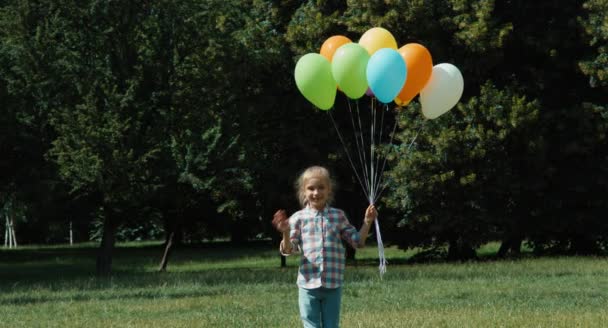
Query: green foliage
x,y
459,181
577,170
479,27
25,98
186,114
595,23
309,27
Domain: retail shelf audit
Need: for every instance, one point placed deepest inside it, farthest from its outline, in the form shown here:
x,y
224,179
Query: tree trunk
x,y
511,246
12,237
6,231
516,246
460,251
71,234
168,249
14,234
583,245
504,248
104,255
238,234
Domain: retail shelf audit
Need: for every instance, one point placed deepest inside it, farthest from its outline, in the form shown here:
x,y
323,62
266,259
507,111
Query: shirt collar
x,y
324,211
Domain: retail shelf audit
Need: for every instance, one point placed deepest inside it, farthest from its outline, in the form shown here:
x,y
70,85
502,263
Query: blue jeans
x,y
320,305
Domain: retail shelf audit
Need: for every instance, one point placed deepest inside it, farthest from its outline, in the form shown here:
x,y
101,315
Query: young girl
x,y
317,232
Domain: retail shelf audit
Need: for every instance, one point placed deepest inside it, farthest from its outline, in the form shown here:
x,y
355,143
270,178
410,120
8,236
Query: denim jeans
x,y
320,307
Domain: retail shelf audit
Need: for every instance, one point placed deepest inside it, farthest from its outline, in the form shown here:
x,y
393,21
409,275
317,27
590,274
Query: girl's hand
x,y
370,214
280,222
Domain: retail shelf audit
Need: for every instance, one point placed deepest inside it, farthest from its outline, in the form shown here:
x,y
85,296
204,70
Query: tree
x,y
594,21
186,113
461,183
27,98
483,38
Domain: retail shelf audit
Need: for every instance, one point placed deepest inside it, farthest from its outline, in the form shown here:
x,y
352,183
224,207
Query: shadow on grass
x,y
97,296
93,296
61,268
212,251
145,285
80,260
70,272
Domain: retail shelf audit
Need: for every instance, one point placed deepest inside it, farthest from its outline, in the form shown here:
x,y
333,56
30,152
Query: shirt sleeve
x,y
295,233
348,232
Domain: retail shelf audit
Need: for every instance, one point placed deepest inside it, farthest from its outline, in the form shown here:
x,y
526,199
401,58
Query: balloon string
x,y
357,134
407,150
379,173
348,154
363,151
372,149
382,168
381,257
371,179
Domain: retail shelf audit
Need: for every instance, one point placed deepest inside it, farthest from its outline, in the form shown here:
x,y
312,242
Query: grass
x,y
223,286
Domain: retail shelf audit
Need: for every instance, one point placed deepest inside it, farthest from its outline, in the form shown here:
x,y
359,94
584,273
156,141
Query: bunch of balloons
x,y
375,67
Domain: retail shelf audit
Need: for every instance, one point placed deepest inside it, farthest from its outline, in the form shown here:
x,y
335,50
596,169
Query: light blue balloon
x,y
386,74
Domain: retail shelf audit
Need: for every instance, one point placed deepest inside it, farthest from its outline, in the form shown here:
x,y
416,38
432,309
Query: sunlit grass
x,y
225,286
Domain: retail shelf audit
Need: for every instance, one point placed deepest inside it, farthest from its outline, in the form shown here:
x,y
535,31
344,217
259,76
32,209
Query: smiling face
x,y
315,187
317,190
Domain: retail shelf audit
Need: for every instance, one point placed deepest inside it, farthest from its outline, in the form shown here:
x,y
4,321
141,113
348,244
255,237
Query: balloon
x,y
314,80
329,47
442,92
348,68
369,92
419,67
377,38
386,73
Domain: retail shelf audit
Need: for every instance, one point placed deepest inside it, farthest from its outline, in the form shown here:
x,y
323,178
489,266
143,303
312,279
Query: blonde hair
x,y
314,172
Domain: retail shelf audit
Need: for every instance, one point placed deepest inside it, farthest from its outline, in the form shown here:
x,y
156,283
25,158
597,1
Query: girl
x,y
317,232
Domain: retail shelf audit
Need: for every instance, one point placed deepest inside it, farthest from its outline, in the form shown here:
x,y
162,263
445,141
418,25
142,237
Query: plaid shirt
x,y
318,235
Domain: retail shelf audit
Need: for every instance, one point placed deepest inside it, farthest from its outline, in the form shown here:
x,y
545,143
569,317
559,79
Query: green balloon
x,y
314,80
348,67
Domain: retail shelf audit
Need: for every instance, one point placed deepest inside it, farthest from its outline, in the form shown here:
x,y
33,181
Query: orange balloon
x,y
398,102
329,47
419,68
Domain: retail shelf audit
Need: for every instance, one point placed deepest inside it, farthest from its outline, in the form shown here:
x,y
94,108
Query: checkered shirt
x,y
318,236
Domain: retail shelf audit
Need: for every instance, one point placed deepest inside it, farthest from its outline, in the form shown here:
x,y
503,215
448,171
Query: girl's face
x,y
317,192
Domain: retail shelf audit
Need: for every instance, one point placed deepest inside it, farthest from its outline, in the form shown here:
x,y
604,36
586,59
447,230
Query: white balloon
x,y
442,92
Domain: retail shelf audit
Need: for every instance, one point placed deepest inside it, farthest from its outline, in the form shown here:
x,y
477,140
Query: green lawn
x,y
223,286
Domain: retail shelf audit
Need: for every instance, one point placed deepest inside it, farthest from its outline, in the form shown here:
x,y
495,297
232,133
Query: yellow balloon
x,y
377,38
